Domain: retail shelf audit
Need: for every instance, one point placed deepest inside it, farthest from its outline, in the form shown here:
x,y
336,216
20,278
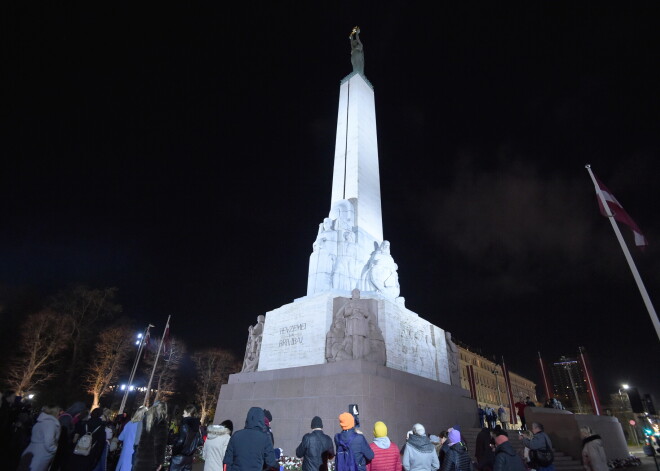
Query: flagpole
x,y
546,385
134,369
626,252
593,397
153,370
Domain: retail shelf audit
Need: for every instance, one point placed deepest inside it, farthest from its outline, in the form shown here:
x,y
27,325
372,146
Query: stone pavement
x,y
647,461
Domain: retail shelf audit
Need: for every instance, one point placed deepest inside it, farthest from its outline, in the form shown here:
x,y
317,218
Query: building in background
x,y
569,385
490,387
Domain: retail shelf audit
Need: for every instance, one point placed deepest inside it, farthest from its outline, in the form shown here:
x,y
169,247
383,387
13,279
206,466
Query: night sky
x,y
185,156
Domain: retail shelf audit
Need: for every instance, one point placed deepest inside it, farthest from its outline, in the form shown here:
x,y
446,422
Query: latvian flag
x,y
619,213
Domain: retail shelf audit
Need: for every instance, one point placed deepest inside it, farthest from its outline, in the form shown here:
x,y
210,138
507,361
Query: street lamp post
x,y
577,398
140,343
625,387
633,432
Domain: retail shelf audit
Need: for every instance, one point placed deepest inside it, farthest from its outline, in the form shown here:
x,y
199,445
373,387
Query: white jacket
x,y
215,447
43,443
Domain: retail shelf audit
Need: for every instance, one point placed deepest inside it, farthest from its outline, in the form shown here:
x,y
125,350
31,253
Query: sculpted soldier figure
x,y
253,347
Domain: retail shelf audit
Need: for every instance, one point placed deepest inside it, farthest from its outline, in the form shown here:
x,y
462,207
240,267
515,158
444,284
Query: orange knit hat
x,y
346,421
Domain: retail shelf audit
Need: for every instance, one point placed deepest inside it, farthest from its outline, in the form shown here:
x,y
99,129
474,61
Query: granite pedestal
x,y
295,395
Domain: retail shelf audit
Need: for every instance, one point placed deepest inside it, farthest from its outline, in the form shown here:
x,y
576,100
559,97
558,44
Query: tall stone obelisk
x,y
349,251
351,339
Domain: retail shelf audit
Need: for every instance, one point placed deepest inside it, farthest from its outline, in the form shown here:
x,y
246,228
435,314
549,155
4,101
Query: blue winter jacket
x,y
251,449
359,446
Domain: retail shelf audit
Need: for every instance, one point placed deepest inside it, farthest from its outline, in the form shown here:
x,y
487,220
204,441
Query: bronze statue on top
x,y
357,51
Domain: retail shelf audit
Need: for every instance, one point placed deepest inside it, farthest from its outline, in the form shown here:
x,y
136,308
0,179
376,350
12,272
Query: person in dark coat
x,y
356,442
483,451
506,459
268,419
316,448
150,453
457,457
251,448
96,426
8,413
187,441
67,426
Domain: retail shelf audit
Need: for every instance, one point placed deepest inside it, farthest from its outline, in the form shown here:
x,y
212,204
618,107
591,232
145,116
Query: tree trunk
x,y
97,400
74,360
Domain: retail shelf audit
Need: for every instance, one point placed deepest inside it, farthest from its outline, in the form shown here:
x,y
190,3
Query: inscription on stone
x,y
292,334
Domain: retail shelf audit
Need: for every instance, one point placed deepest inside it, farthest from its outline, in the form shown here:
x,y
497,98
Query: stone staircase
x,y
562,461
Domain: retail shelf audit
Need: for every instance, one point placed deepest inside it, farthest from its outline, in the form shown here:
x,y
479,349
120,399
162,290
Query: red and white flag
x,y
619,213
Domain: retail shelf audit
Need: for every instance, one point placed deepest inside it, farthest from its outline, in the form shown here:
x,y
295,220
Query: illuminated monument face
x,y
349,253
350,340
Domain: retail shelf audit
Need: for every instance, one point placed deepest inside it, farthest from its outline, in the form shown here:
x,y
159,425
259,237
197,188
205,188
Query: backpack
x,y
345,459
542,457
85,444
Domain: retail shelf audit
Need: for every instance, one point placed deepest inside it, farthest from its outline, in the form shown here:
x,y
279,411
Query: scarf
x,y
421,443
590,439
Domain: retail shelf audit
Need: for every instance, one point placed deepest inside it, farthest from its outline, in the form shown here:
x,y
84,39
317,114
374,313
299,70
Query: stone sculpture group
x,y
334,263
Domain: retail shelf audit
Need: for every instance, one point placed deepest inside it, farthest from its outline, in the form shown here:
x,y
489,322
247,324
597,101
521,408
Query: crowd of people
x,y
77,439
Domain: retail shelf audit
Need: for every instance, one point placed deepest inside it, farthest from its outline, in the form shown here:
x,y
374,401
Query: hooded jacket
x,y
386,456
358,445
43,445
420,454
593,454
250,449
506,458
215,447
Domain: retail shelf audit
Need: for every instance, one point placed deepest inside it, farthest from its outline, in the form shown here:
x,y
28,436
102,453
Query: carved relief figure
x,y
345,265
253,347
453,360
355,333
380,273
323,258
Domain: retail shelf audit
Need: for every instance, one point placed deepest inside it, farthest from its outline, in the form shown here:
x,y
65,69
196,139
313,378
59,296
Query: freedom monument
x,y
351,339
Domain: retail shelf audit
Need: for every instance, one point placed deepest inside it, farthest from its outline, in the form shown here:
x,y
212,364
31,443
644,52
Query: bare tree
x,y
44,335
112,348
167,370
213,368
86,307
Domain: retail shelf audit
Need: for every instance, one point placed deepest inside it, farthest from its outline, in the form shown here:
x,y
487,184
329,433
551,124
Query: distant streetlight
x,y
633,432
625,387
30,396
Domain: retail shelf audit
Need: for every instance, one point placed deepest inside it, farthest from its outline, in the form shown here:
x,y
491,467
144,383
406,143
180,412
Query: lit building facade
x,y
569,385
490,386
